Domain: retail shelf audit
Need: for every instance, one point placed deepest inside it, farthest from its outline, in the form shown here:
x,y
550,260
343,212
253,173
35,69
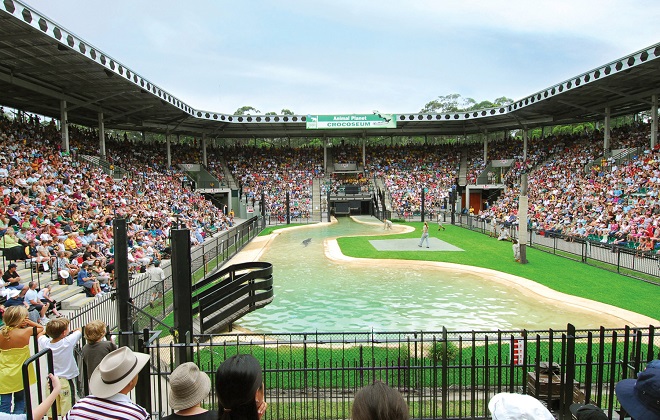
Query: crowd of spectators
x,y
406,170
274,172
579,194
57,211
57,203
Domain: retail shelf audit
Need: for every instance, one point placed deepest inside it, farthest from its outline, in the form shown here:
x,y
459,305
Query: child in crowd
x,y
61,342
96,348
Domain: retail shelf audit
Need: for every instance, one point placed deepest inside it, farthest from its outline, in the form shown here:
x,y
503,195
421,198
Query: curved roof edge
x,y
523,112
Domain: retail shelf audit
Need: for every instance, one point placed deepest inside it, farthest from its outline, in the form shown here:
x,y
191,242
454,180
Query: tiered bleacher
x,y
57,210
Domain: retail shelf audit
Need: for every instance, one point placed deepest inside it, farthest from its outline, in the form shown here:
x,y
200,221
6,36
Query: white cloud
x,y
332,56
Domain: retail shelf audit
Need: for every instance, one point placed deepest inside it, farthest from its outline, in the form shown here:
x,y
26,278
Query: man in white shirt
x,y
157,276
32,299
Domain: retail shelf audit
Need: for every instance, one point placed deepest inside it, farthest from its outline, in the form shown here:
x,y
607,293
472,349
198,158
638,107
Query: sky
x,y
356,56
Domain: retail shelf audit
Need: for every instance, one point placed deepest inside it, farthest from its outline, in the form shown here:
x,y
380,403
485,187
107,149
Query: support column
x,y
654,121
606,136
525,135
64,126
182,285
486,146
169,149
204,161
467,200
121,281
101,135
523,208
325,156
364,152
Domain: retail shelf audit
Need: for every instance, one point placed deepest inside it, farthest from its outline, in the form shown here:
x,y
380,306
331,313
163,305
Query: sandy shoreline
x,y
612,314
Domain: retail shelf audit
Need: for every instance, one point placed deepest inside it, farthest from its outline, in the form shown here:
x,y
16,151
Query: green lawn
x,y
558,273
270,229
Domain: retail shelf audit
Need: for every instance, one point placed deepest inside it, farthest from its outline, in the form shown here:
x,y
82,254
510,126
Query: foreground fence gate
x,y
441,375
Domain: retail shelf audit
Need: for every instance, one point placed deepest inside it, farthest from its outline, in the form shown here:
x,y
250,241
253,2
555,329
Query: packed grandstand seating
x,y
274,172
60,209
67,204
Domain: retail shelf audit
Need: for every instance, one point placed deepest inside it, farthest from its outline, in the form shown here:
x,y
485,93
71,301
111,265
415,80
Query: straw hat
x,y
64,274
188,386
115,371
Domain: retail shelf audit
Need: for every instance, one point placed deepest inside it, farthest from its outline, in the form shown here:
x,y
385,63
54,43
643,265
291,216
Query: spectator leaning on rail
x,y
96,347
62,342
40,411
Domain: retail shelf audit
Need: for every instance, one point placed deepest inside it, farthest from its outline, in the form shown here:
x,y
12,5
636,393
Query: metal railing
x,y
205,258
441,374
227,295
643,265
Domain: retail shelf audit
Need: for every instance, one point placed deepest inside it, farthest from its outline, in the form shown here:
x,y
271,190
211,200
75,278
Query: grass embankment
x,y
560,274
270,229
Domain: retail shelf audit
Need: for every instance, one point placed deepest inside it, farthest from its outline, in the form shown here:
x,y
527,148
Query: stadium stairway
x,y
462,169
226,172
69,297
379,184
316,200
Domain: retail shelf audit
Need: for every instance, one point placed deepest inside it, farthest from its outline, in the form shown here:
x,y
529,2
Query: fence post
x,y
288,209
263,210
445,374
569,371
143,388
182,288
121,281
423,197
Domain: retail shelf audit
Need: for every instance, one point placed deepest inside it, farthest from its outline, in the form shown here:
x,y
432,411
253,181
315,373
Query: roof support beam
x,y
584,108
93,100
9,78
624,95
123,114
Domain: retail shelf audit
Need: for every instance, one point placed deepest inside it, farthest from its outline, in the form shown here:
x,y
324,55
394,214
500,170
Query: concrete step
x,y
76,301
27,275
64,292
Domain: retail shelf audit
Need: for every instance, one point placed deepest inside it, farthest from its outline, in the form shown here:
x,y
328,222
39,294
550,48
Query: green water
x,y
313,293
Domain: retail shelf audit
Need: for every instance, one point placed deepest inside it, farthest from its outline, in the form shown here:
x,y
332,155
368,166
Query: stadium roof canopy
x,y
42,64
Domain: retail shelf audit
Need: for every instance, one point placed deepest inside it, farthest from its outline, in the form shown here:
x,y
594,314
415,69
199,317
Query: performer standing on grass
x,y
425,235
516,250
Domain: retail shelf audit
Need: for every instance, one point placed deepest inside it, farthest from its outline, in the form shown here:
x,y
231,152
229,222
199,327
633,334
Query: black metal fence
x,y
442,375
149,313
225,296
644,265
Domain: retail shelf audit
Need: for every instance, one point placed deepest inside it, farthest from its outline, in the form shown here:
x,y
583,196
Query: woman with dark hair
x,y
379,402
240,388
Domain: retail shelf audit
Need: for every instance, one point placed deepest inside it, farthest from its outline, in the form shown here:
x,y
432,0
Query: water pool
x,y
315,293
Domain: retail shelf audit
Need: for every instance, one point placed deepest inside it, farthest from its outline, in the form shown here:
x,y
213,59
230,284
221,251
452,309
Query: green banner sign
x,y
320,122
